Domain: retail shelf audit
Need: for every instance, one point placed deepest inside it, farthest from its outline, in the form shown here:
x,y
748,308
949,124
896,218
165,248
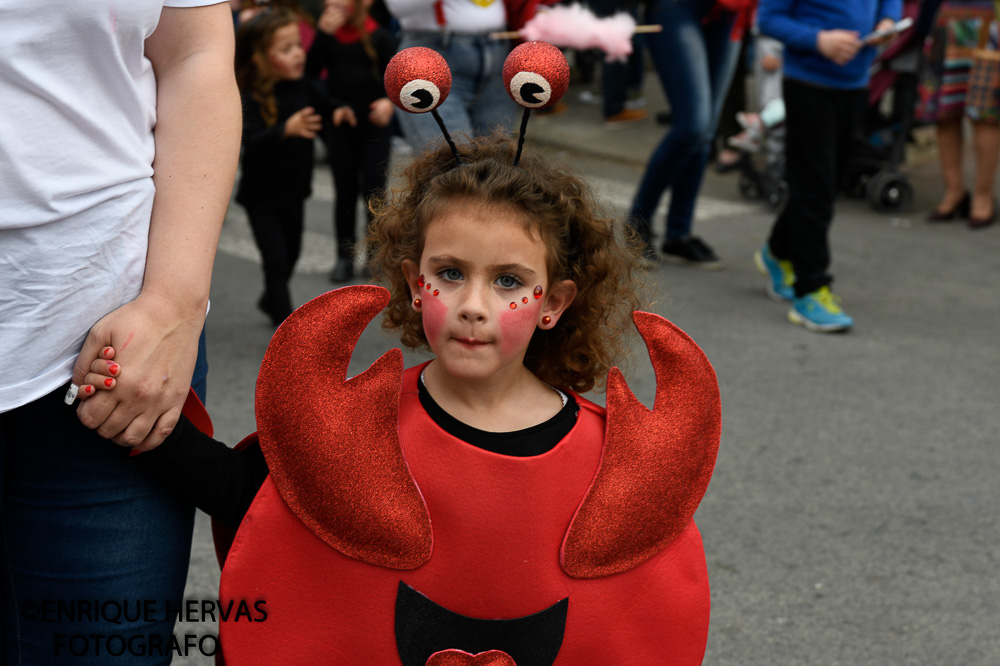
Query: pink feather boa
x,y
578,28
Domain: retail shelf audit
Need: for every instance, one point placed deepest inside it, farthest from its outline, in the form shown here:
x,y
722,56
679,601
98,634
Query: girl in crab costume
x,y
474,509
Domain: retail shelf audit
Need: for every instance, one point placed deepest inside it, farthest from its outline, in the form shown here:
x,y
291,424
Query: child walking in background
x,y
826,67
282,115
410,510
354,50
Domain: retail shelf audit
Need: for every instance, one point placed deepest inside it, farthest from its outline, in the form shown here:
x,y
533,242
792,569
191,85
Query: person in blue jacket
x,y
825,88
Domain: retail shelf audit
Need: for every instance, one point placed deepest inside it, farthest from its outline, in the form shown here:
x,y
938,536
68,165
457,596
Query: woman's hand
x,y
305,123
158,342
380,112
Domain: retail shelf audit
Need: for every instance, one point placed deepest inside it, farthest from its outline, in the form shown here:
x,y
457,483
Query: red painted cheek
x,y
516,328
434,314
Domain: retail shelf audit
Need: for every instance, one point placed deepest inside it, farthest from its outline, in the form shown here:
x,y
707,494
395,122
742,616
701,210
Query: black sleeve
x,y
318,57
257,135
322,101
197,469
385,47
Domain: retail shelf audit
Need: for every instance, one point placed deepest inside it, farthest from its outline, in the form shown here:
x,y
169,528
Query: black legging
x,y
359,160
277,228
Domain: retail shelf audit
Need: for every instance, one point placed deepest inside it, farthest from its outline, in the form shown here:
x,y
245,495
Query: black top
x,y
532,441
351,74
276,166
222,481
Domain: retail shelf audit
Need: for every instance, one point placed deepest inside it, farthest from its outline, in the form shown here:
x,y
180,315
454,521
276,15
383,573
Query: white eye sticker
x,y
419,96
530,90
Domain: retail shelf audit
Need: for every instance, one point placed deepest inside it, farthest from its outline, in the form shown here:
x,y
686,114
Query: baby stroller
x,y
762,162
879,147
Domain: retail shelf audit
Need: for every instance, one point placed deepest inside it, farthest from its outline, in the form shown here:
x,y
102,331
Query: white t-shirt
x,y
76,150
461,16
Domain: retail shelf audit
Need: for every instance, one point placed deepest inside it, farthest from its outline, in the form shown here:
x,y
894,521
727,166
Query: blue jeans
x,y
79,525
478,102
695,63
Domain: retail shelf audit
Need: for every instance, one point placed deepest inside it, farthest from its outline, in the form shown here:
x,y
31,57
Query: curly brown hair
x,y
253,77
597,253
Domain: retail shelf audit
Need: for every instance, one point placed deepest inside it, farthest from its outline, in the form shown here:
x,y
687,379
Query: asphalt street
x,y
854,514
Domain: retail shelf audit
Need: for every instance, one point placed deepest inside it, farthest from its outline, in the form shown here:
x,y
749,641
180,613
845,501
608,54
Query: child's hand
x,y
304,123
840,46
344,114
885,24
102,375
380,112
334,16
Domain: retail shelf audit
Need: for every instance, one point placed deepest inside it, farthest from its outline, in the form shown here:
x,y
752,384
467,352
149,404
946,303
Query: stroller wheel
x,y
749,186
889,192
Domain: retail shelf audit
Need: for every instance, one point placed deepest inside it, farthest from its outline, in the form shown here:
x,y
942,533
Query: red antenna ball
x,y
536,75
418,79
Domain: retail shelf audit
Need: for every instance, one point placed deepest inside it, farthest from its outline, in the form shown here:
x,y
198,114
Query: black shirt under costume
x,y
351,76
222,481
276,167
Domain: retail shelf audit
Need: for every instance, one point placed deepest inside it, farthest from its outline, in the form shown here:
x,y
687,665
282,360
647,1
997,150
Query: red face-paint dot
x,y
428,286
538,291
420,281
513,306
524,300
436,292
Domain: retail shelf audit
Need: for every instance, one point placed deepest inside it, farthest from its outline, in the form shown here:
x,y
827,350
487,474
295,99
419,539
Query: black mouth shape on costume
x,y
424,97
529,92
424,627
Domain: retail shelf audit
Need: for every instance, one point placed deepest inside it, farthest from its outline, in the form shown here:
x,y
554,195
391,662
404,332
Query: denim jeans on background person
x,y
80,523
478,102
695,63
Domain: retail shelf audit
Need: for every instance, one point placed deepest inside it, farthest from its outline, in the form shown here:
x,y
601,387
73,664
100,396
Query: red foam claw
x,y
536,75
332,445
656,464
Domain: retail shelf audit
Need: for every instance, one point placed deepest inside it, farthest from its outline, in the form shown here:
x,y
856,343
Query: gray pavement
x,y
854,515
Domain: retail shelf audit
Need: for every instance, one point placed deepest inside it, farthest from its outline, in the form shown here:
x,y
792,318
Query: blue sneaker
x,y
779,272
820,311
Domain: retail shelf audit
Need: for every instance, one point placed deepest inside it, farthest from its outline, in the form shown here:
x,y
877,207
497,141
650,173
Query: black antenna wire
x,y
447,136
520,138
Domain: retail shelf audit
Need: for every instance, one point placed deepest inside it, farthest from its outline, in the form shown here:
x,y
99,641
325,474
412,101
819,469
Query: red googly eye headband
x,y
535,74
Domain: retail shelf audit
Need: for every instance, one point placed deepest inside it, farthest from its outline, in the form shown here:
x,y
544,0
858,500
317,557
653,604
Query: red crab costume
x,y
378,538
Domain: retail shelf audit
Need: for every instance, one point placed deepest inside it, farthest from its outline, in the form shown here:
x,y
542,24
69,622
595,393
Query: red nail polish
x,y
106,352
113,368
88,389
108,382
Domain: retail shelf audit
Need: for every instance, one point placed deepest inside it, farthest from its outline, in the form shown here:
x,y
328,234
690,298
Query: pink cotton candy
x,y
578,28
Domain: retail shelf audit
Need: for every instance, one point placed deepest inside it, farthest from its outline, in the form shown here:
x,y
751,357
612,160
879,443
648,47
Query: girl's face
x,y
484,289
286,58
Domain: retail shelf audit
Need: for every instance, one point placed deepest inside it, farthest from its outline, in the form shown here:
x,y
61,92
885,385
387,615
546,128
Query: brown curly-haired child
x,y
474,508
